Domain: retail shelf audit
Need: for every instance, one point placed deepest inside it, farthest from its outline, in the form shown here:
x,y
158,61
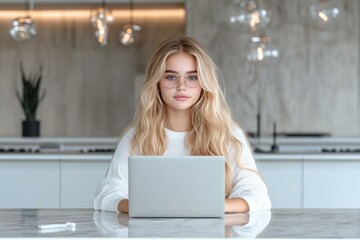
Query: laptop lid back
x,y
176,186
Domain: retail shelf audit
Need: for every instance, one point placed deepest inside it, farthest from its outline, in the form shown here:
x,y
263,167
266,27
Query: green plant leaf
x,y
30,93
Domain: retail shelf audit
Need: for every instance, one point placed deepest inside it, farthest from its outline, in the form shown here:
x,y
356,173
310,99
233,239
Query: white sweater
x,y
246,184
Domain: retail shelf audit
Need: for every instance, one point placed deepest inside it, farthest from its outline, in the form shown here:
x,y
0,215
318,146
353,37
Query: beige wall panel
x,y
89,89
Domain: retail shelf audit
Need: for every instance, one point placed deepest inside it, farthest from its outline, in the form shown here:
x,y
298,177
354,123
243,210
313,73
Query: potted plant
x,y
29,101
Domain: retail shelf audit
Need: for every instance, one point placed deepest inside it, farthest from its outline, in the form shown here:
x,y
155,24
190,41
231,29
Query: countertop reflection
x,y
279,223
232,225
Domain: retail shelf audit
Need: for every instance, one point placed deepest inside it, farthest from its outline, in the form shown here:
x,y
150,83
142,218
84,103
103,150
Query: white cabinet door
x,y
79,181
331,184
29,184
284,181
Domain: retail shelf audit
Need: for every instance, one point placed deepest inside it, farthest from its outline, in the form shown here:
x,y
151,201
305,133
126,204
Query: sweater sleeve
x,y
247,183
114,187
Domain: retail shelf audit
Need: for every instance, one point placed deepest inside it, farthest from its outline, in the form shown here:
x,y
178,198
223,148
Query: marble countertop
x,y
108,156
307,156
114,140
56,156
279,223
58,140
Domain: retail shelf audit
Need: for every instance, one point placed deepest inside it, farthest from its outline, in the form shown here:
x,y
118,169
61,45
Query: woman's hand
x,y
123,206
233,205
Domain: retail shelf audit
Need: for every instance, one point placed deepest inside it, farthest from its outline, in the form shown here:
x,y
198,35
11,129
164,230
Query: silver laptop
x,y
176,186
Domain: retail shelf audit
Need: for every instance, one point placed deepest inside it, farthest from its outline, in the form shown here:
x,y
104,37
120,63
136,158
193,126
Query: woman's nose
x,y
180,83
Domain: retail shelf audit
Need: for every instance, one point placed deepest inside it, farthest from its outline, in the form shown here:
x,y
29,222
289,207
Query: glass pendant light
x,y
100,20
251,13
23,28
261,49
324,13
130,31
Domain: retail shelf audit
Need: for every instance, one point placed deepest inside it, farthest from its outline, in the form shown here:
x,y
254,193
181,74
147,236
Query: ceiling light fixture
x,y
251,13
100,20
324,13
261,49
23,28
130,31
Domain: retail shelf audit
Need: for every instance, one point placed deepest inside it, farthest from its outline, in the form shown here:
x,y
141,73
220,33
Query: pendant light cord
x,y
27,6
131,12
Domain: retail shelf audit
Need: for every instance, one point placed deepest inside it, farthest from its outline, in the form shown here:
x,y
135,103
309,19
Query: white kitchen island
x,y
54,180
299,180
69,180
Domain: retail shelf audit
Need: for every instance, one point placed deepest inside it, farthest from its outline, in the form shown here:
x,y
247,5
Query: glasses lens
x,y
171,80
191,80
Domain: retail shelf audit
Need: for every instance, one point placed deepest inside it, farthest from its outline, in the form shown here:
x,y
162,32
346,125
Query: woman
x,y
182,111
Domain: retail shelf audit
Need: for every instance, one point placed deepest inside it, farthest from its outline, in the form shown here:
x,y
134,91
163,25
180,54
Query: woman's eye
x,y
171,77
192,77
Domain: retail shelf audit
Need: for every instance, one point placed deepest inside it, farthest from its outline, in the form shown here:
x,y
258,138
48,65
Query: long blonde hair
x,y
211,122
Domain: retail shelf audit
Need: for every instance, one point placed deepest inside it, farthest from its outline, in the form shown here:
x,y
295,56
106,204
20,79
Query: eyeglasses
x,y
170,80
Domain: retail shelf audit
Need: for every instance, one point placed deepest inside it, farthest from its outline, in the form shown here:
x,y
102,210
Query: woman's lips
x,y
181,98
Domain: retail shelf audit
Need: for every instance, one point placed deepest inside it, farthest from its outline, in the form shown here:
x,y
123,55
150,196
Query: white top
x,y
246,184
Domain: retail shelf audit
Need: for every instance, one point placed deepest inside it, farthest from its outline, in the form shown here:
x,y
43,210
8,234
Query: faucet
x,y
274,146
258,124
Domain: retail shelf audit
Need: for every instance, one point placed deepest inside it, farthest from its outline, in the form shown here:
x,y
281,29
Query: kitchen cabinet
x,y
50,180
311,180
25,184
79,181
331,184
284,181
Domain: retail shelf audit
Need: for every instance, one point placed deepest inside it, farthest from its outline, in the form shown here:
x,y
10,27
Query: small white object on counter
x,y
66,225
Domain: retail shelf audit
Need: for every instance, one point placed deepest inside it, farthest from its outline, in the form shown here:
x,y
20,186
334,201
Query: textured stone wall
x,y
313,86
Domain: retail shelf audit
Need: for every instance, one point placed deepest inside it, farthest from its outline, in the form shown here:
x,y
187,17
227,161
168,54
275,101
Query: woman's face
x,y
180,87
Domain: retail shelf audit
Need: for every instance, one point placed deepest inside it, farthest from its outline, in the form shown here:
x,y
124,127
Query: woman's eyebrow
x,y
172,71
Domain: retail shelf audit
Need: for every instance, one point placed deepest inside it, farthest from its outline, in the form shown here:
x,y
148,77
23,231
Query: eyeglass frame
x,y
185,77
